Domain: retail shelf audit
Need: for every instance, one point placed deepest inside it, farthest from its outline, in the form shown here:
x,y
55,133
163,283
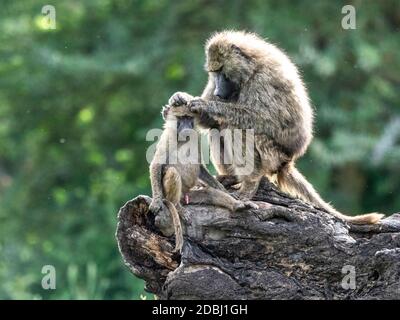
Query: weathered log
x,y
286,249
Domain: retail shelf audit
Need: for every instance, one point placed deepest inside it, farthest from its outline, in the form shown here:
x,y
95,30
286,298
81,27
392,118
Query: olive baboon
x,y
253,85
171,179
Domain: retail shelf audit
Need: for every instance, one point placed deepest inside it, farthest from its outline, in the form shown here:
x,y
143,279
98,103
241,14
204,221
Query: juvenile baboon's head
x,y
235,56
179,119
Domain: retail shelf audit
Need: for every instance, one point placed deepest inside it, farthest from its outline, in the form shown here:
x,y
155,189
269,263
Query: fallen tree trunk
x,y
286,249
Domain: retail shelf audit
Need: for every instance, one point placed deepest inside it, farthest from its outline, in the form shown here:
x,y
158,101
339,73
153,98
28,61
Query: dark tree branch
x,y
285,250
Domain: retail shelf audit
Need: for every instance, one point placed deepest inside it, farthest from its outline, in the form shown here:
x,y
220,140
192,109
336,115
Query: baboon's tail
x,y
177,225
291,181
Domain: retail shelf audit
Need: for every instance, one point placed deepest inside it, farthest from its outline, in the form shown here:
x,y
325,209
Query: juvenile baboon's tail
x,y
177,224
291,181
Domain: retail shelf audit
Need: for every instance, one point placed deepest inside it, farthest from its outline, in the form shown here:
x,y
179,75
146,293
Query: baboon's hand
x,y
179,111
179,99
156,205
197,105
244,205
250,205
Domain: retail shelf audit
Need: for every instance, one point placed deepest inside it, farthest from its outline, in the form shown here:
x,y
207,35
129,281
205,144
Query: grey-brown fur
x,y
170,182
273,101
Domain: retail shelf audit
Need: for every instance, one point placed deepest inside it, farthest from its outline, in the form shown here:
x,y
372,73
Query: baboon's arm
x,y
237,116
156,170
207,121
209,179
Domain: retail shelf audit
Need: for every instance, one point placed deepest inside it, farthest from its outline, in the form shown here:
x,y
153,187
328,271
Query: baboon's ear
x,y
164,111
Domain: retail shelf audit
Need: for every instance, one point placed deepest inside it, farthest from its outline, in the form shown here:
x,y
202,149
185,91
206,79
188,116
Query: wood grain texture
x,y
286,249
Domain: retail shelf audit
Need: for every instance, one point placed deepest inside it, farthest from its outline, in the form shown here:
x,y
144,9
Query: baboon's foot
x,y
156,205
244,205
227,181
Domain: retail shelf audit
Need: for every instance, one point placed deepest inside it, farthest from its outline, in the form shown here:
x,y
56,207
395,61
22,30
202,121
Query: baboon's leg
x,y
172,184
156,186
209,179
267,160
218,198
227,181
222,162
251,180
249,186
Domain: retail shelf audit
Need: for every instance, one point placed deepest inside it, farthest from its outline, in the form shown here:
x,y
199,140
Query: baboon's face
x,y
229,67
184,123
225,88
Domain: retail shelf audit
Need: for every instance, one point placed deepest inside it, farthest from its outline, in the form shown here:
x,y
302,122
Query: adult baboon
x,y
253,85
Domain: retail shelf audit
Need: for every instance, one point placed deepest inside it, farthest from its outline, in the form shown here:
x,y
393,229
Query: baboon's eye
x,y
235,48
239,51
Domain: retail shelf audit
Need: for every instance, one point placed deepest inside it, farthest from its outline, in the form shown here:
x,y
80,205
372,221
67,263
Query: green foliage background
x,y
76,103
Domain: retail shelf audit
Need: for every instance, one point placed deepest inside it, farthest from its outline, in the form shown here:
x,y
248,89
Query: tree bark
x,y
286,249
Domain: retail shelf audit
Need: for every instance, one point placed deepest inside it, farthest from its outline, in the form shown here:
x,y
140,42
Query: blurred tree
x,y
76,103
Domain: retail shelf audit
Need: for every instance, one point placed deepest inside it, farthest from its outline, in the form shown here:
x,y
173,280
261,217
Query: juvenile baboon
x,y
172,177
253,85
